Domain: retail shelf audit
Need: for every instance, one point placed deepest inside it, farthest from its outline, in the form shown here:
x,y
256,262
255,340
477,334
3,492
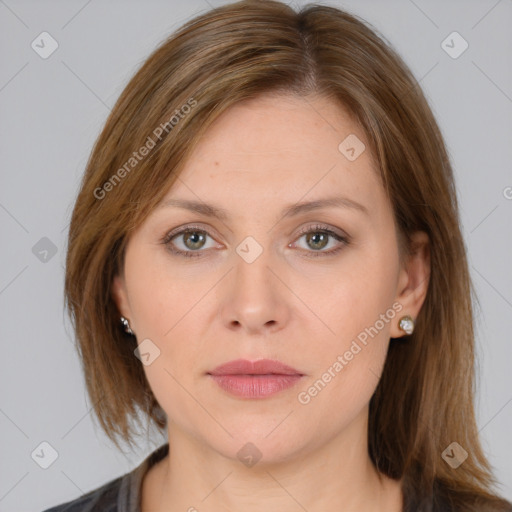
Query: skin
x,y
259,157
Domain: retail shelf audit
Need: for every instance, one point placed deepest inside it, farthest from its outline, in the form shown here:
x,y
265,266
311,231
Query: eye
x,y
317,238
190,240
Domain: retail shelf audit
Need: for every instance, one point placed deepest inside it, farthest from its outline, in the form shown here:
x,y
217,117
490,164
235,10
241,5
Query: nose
x,y
255,300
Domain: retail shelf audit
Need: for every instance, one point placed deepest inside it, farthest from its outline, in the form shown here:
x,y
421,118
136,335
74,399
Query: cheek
x,y
360,314
170,388
165,306
349,368
158,298
360,298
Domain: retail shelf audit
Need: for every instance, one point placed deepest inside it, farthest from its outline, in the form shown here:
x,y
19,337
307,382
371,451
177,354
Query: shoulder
x,y
122,494
104,499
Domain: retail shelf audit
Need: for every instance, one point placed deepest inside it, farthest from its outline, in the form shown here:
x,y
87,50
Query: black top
x,y
122,494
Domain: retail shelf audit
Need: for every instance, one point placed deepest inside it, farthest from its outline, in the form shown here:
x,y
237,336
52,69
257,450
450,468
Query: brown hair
x,y
424,400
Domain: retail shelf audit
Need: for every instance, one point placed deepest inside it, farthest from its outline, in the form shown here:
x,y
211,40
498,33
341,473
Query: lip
x,y
255,379
260,367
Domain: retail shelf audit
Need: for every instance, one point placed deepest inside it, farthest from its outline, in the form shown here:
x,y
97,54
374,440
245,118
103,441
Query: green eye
x,y
193,238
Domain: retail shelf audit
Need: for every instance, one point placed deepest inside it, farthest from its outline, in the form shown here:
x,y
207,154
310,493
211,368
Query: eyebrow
x,y
210,210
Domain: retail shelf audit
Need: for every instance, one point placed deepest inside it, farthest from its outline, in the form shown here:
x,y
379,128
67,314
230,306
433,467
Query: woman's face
x,y
254,285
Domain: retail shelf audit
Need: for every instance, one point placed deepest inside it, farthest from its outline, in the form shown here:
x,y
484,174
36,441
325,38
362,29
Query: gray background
x,y
51,112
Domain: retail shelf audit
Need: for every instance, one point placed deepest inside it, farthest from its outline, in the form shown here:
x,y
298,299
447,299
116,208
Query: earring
x,y
126,324
407,324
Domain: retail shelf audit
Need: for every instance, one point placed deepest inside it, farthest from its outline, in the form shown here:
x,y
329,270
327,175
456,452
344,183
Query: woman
x,y
265,258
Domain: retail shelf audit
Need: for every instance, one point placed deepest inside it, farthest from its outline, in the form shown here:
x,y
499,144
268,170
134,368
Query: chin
x,y
258,444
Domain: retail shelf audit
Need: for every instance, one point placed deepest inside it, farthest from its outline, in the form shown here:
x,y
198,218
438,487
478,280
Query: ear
x,y
413,280
120,296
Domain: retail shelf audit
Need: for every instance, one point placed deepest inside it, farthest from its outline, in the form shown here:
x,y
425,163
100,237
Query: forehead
x,y
282,148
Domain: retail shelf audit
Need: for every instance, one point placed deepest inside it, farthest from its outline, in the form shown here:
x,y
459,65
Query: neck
x,y
336,476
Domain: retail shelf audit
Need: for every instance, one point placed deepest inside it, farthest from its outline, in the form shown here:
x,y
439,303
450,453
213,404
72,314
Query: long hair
x,y
425,398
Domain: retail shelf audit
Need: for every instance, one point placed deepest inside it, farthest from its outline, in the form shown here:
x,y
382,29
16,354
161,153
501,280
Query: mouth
x,y
260,367
258,379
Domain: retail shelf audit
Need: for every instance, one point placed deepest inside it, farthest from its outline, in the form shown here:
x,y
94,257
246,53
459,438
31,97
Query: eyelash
x,y
318,228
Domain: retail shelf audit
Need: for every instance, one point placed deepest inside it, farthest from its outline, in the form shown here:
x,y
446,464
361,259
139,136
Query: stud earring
x,y
126,324
407,324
